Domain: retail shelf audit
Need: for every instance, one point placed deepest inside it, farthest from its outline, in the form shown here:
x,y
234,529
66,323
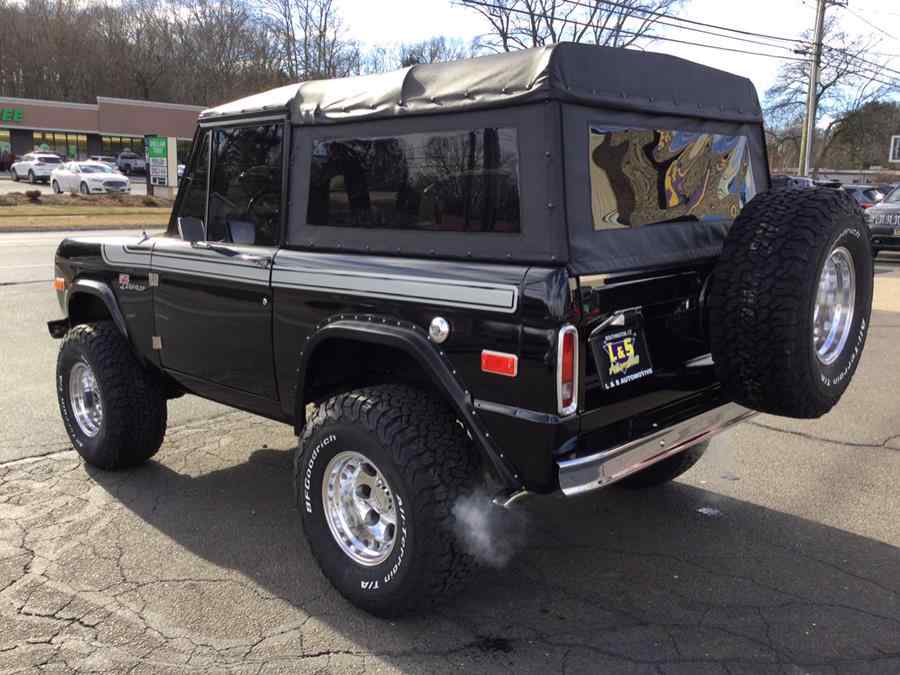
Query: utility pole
x,y
808,137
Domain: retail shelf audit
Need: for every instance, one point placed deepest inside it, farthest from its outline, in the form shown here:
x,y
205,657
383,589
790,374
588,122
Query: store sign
x,y
11,114
158,156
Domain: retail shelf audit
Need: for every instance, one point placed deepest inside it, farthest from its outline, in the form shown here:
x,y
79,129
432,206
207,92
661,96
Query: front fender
x,y
102,291
411,339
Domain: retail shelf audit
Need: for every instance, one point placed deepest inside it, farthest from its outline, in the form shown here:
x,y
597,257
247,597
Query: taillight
x,y
567,368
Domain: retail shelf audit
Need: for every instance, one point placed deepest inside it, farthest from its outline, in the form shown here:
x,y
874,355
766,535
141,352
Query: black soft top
x,y
611,78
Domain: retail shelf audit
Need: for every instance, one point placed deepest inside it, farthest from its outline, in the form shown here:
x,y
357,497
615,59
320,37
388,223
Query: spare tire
x,y
790,301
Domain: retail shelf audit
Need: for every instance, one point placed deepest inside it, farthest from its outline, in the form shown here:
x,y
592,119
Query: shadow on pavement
x,y
617,581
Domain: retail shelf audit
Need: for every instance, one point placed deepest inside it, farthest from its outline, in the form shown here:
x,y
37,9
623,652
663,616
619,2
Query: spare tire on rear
x,y
790,301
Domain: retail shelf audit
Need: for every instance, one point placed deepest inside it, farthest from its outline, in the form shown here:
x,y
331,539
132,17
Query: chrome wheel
x,y
833,313
84,397
359,508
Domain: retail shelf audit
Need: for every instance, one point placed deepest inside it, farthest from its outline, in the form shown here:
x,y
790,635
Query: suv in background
x,y
884,223
130,162
866,196
35,166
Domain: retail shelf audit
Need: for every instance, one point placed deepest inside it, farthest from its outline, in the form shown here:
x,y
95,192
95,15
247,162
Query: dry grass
x,y
22,212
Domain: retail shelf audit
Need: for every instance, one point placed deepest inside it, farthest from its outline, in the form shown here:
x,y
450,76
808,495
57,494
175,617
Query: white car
x,y
88,178
35,166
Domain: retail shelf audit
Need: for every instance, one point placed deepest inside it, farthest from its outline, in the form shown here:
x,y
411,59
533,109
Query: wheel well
x,y
86,308
339,364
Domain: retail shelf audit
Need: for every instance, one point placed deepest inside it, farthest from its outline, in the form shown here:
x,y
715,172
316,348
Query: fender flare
x,y
412,340
102,291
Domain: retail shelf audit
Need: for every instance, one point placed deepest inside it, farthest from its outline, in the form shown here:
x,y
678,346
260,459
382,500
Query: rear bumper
x,y
597,470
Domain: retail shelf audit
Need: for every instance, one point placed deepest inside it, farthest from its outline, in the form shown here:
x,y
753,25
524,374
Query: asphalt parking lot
x,y
138,186
778,553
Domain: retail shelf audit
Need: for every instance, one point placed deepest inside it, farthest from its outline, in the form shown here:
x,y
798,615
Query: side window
x,y
193,204
457,181
245,185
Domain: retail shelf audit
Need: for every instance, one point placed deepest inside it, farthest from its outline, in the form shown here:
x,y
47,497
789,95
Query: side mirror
x,y
191,229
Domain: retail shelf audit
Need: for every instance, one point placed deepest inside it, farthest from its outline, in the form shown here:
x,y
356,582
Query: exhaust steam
x,y
490,533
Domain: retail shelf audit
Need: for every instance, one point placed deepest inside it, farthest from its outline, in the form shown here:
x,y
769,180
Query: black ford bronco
x,y
545,271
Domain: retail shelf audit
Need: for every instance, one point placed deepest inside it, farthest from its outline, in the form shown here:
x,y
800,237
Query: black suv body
x,y
527,239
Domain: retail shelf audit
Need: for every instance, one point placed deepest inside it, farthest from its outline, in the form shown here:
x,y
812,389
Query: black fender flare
x,y
412,340
102,291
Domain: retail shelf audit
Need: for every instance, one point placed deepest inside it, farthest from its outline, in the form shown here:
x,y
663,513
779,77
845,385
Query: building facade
x,y
79,130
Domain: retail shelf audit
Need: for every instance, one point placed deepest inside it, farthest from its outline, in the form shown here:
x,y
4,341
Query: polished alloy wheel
x,y
359,508
833,314
84,397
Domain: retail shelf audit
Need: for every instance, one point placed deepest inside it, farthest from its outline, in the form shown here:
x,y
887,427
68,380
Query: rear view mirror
x,y
191,229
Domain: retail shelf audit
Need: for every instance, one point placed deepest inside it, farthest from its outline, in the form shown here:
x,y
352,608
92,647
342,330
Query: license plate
x,y
621,356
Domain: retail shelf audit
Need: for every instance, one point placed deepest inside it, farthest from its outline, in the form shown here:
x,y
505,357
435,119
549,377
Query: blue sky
x,y
388,22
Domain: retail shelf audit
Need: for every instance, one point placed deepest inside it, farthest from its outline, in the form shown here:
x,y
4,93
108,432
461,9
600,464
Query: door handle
x,y
263,261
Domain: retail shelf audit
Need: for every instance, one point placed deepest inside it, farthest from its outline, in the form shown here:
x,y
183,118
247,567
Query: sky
x,y
386,22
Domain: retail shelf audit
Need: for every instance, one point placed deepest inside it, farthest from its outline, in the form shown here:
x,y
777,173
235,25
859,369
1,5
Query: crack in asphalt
x,y
824,439
126,572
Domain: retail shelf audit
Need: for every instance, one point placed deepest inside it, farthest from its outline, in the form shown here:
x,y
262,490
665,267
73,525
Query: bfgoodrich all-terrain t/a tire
x,y
790,301
113,408
376,475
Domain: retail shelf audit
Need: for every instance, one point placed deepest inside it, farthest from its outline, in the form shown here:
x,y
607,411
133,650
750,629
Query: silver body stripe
x,y
486,296
405,288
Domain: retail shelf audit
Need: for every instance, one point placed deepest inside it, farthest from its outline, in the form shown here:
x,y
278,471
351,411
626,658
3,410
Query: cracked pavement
x,y
195,562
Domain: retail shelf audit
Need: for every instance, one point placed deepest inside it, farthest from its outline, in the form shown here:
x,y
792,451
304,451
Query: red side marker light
x,y
499,363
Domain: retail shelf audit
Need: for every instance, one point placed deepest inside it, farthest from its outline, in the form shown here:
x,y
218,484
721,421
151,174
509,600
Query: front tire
x,y
114,409
31,178
15,176
408,448
83,189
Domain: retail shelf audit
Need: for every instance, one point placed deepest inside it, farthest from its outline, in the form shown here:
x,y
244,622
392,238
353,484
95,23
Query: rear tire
x,y
56,189
15,176
131,423
31,178
665,471
790,300
411,440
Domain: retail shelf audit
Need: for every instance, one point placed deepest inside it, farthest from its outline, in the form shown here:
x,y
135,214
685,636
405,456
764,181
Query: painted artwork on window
x,y
643,177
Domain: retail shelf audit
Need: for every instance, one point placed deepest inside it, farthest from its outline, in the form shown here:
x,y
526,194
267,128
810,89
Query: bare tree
x,y
435,50
850,78
519,24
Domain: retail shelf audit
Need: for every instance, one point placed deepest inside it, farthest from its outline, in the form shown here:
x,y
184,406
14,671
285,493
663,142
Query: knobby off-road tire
x,y
132,424
763,299
414,441
665,471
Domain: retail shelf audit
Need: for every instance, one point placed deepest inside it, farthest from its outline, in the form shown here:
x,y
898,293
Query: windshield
x,y
893,197
93,168
867,195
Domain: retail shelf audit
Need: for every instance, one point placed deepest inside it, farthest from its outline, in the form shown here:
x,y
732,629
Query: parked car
x,y
35,166
884,223
88,178
130,162
600,283
866,196
783,182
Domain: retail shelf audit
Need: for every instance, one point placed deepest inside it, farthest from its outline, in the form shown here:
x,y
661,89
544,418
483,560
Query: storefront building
x,y
79,130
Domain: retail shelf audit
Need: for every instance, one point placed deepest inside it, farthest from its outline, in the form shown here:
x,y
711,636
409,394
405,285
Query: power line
x,y
794,42
649,36
877,67
869,23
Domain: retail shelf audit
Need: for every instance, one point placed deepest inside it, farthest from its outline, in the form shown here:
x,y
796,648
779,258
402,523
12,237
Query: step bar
x,y
577,476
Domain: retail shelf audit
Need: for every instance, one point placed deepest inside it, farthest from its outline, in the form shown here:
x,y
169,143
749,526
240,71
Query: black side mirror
x,y
191,229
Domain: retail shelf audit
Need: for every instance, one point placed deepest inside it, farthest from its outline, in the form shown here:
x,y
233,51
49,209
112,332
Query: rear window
x,y
48,159
645,177
128,155
458,181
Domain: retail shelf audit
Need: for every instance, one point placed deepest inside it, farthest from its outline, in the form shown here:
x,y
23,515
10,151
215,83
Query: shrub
x,y
34,196
7,201
149,201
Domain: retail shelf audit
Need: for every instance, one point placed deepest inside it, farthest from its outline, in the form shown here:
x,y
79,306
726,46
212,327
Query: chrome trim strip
x,y
603,468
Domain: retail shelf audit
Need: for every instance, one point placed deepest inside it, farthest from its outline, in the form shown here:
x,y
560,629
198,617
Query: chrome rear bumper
x,y
598,470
